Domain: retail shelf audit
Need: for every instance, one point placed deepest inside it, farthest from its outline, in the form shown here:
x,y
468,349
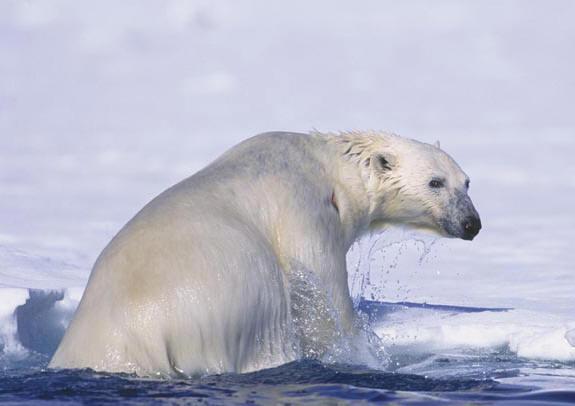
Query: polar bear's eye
x,y
436,183
467,184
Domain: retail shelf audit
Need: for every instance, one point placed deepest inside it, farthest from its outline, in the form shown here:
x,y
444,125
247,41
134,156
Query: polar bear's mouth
x,y
434,228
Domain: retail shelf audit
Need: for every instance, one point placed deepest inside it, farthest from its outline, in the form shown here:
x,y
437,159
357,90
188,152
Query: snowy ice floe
x,y
430,329
34,321
19,269
570,337
38,298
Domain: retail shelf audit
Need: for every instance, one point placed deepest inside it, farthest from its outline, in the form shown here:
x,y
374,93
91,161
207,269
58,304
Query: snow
x,y
102,110
532,335
570,337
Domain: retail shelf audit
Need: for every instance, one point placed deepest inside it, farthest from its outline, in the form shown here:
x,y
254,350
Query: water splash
x,y
319,332
374,264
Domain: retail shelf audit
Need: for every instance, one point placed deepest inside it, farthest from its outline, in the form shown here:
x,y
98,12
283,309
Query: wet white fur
x,y
198,281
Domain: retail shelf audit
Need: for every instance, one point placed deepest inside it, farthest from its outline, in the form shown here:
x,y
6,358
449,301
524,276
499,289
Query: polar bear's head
x,y
414,184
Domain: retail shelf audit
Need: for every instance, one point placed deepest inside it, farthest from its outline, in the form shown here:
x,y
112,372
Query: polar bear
x,y
207,277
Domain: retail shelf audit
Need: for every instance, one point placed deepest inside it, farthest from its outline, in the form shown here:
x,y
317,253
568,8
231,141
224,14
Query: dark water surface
x,y
302,382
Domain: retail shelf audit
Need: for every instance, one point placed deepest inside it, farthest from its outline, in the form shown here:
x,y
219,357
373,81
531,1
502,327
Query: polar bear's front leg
x,y
321,315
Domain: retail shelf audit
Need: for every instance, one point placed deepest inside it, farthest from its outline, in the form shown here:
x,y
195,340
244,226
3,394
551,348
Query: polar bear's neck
x,y
351,175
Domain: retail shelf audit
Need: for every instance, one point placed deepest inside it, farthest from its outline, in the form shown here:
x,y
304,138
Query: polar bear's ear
x,y
437,145
383,161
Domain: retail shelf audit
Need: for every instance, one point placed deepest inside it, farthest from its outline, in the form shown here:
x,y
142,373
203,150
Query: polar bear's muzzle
x,y
462,220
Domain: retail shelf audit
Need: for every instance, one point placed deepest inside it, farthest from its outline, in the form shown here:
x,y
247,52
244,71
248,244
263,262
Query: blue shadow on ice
x,y
376,310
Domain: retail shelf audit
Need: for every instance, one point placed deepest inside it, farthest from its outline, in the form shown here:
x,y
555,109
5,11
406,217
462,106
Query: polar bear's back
x,y
197,260
158,301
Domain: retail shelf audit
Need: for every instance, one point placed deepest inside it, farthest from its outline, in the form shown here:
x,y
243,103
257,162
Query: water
x,y
307,381
298,382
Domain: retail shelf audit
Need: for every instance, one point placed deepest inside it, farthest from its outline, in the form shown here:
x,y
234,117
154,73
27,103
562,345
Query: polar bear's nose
x,y
471,227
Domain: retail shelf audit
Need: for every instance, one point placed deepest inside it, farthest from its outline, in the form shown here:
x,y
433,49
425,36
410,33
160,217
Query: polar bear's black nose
x,y
471,227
